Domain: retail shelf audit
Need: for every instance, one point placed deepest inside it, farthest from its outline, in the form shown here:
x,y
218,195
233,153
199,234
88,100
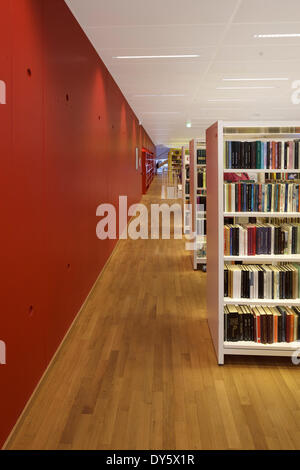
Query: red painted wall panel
x,y
67,144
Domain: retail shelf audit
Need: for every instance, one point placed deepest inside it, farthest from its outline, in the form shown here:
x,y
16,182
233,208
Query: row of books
x,y
261,239
201,179
262,281
201,157
261,197
281,176
259,154
201,226
201,202
264,325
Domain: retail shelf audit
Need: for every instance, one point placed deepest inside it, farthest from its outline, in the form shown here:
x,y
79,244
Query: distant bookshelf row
x,y
275,155
197,190
261,324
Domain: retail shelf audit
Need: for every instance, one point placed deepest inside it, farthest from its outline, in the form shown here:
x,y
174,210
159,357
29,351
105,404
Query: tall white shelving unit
x,y
216,135
185,160
198,217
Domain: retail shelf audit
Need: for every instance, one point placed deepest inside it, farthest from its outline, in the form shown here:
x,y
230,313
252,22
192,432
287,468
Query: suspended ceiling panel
x,y
166,93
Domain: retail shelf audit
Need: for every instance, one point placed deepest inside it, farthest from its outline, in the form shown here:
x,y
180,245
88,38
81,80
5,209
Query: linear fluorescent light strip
x,y
181,56
161,112
280,35
224,100
139,96
254,79
244,87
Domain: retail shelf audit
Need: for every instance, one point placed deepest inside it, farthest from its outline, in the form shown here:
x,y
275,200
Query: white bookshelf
x,y
197,216
185,163
215,137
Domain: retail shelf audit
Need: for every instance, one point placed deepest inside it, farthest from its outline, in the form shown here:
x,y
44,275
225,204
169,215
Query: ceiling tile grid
x,y
232,75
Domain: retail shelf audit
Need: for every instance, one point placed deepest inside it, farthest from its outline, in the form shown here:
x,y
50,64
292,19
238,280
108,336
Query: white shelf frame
x,y
267,302
265,258
215,136
250,348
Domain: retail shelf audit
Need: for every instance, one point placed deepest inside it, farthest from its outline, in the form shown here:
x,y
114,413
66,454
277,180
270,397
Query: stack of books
x,y
187,187
261,239
201,179
262,281
261,324
261,197
275,155
201,157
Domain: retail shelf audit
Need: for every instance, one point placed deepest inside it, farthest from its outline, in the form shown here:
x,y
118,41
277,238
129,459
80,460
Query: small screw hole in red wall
x,y
29,73
68,266
30,310
67,97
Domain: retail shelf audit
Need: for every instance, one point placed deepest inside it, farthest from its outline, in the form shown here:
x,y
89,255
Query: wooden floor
x,y
138,370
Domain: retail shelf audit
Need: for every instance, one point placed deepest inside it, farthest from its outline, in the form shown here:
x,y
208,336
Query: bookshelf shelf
x,y
271,302
216,136
258,349
270,170
265,258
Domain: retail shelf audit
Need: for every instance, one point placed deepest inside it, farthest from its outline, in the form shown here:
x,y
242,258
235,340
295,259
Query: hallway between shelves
x,y
138,369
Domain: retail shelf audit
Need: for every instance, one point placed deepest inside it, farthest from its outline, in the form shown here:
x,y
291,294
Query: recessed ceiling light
x,y
254,79
188,124
173,56
283,35
244,87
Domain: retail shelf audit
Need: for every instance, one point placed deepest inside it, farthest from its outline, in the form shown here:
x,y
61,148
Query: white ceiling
x,y
222,33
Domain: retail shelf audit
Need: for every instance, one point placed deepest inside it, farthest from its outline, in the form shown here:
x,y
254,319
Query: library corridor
x,y
138,368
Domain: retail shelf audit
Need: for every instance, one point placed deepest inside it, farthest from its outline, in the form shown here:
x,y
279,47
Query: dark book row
x,y
261,239
201,157
201,176
275,155
187,187
261,324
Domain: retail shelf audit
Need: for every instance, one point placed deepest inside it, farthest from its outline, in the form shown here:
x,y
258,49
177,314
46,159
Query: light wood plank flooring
x,y
138,369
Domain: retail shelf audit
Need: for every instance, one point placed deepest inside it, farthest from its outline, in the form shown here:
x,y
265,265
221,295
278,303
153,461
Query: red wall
x,y
59,160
